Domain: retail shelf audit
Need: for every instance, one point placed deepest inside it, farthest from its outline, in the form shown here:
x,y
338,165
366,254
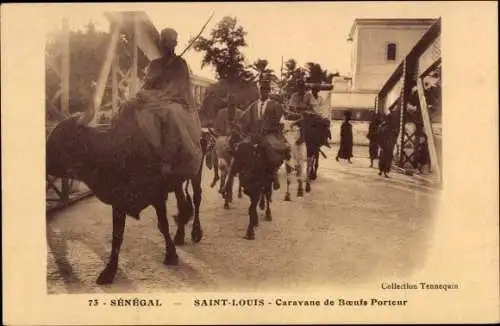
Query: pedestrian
x,y
372,137
386,135
346,139
422,152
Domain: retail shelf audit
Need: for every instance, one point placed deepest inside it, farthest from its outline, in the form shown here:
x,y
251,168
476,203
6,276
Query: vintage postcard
x,y
250,163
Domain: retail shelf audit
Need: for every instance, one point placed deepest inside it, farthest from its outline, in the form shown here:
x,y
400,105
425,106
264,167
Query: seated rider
x,y
301,100
226,117
225,124
166,112
262,118
321,110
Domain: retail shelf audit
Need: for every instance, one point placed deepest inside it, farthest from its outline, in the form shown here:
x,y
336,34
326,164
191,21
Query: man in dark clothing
x,y
373,137
386,134
262,118
346,139
165,110
422,151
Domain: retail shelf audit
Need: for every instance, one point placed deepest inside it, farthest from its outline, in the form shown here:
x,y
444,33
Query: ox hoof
x,y
249,237
226,205
268,217
308,188
288,197
106,277
300,193
171,260
313,176
196,235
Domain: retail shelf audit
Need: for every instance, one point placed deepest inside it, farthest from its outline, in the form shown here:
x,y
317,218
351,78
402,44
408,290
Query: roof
x,y
202,79
390,21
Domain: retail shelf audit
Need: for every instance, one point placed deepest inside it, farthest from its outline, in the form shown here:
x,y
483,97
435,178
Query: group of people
x,y
382,135
165,111
263,119
382,139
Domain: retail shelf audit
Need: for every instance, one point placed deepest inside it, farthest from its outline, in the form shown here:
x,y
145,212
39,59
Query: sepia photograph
x,y
250,155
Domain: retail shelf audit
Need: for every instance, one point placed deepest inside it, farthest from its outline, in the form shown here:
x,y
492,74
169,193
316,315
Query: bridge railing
x,y
412,94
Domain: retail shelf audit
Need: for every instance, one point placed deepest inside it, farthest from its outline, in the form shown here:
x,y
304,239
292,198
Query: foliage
x,y
222,51
316,74
260,66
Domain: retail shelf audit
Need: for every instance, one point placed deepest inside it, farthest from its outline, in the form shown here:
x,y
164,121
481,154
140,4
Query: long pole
x,y
65,68
135,57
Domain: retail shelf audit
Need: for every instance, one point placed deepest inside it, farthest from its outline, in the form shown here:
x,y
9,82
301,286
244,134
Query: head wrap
x,y
168,34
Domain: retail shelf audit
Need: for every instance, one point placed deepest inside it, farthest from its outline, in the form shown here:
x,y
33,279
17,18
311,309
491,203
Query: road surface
x,y
354,227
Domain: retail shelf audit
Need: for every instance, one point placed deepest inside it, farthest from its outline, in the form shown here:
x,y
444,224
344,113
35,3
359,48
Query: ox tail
x,y
185,204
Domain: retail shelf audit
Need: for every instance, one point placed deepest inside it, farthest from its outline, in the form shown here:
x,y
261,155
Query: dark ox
x,y
255,176
315,130
121,168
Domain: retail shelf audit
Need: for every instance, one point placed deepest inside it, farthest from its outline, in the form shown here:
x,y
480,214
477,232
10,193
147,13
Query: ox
x,y
298,162
122,169
223,146
255,174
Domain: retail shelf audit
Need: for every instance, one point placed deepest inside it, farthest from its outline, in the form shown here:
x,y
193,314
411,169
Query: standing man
x,y
346,139
386,134
262,118
373,137
166,111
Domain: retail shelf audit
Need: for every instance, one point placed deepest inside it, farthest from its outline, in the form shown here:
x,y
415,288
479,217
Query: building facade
x,y
378,46
199,88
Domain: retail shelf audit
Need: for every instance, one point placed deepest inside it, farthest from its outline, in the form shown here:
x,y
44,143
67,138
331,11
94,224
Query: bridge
x,y
130,31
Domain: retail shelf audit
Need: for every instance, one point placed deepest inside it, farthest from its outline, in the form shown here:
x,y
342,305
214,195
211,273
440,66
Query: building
x,y
378,46
199,86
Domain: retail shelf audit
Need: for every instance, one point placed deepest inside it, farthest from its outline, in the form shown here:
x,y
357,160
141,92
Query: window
x,y
391,51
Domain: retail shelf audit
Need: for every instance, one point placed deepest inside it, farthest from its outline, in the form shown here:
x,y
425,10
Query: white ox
x,y
298,158
224,157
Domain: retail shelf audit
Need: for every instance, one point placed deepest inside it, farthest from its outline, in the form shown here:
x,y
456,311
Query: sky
x,y
305,31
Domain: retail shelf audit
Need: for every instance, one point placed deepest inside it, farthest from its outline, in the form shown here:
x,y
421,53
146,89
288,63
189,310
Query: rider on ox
x,y
315,127
301,100
226,116
224,126
262,118
322,119
166,112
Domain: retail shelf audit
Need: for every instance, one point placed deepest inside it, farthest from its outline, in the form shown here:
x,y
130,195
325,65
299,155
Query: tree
x,y
222,51
292,74
316,74
260,66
